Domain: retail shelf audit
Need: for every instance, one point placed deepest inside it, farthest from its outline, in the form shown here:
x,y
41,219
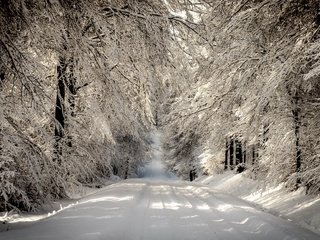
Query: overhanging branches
x,y
113,11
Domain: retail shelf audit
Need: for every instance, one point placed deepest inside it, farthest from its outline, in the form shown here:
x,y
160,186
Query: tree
x,y
250,81
78,93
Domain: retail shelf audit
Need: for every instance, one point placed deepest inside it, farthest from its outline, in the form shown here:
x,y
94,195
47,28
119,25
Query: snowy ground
x,y
159,206
293,206
150,209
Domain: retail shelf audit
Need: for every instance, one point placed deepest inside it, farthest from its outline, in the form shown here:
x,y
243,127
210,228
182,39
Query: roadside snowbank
x,y
12,220
293,206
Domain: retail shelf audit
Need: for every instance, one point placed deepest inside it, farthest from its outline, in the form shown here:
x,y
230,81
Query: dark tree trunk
x,y
192,175
297,124
253,154
240,157
71,83
126,174
156,119
60,120
66,86
226,158
244,153
60,110
238,146
115,170
232,153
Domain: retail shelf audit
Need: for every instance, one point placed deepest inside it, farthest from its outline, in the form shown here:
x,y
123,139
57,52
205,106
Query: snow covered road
x,y
150,210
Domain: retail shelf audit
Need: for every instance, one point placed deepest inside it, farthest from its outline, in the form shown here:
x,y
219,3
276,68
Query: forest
x,y
231,84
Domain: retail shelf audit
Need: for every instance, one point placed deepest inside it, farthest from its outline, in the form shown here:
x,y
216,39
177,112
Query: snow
x,y
159,206
294,206
149,209
157,209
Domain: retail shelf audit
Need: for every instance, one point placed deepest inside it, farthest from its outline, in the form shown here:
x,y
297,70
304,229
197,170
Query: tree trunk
x,y
126,174
66,81
60,111
231,154
234,161
192,175
238,146
244,153
227,155
297,124
294,98
253,154
60,120
71,83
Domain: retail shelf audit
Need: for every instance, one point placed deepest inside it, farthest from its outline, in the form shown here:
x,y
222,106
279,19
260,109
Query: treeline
x,y
252,101
79,83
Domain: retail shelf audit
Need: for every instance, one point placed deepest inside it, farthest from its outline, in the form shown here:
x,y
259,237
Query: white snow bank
x,y
14,220
293,206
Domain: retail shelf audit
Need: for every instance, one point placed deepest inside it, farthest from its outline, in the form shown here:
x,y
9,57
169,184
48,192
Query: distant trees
x,y
235,155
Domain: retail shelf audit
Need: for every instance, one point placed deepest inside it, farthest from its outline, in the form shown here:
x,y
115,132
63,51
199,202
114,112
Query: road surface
x,y
166,210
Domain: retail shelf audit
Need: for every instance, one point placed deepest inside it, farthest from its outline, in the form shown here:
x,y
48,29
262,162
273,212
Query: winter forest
x,y
232,85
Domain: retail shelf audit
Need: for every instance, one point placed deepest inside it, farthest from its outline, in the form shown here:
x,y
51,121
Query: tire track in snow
x,y
135,214
266,225
200,210
160,218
